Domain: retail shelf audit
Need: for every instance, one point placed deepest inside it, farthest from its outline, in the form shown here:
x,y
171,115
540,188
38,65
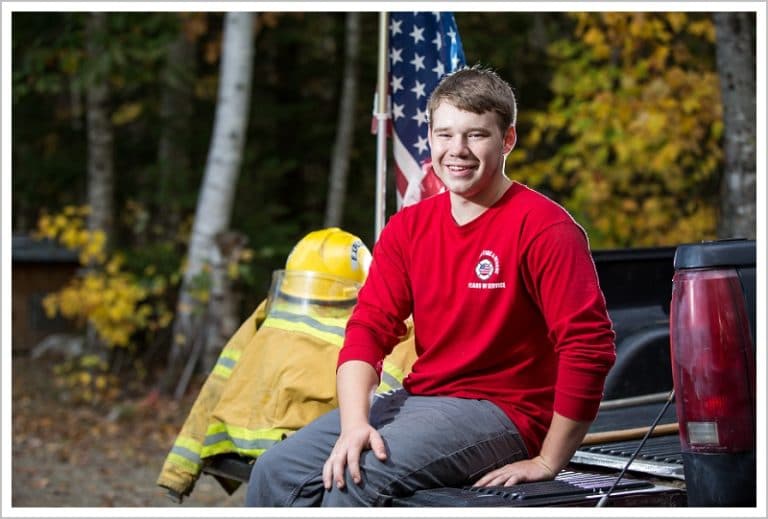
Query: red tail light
x,y
712,325
713,361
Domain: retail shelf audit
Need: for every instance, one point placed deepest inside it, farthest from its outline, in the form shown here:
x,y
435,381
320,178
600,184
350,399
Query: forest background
x,y
115,152
622,120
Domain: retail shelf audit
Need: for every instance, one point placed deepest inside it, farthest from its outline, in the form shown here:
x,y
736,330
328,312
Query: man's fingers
x,y
346,456
353,464
333,471
327,474
485,480
338,472
499,477
378,447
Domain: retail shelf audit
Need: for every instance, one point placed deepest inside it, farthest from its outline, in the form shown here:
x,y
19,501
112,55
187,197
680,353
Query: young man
x,y
512,333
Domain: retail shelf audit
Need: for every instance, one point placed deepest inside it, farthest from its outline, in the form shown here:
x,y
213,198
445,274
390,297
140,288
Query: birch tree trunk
x,y
214,207
223,302
736,64
101,174
342,147
100,185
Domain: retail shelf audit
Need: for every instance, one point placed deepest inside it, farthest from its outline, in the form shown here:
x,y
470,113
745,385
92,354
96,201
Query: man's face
x,y
468,150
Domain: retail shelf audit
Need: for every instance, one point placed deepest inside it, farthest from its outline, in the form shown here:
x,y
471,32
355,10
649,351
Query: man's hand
x,y
562,440
356,382
346,452
535,469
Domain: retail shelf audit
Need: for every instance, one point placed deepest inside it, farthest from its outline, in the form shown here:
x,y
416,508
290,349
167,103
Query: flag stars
x,y
394,27
421,145
397,84
417,62
439,69
396,56
417,34
438,41
418,89
398,111
420,117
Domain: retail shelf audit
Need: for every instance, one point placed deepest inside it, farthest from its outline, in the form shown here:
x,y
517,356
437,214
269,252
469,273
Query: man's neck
x,y
465,210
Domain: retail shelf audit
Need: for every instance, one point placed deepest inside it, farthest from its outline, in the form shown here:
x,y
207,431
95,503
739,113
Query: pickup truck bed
x,y
637,286
570,488
653,480
580,484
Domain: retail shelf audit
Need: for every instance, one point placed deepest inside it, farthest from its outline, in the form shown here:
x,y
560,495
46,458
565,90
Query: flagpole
x,y
382,116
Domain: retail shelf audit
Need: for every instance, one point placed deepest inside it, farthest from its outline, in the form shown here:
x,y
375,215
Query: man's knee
x,y
263,464
364,494
263,471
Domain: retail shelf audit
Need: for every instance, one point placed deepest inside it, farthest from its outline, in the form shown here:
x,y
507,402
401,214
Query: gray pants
x,y
431,442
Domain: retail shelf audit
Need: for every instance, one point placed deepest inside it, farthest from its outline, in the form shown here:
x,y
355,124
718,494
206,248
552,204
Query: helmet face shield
x,y
322,275
307,292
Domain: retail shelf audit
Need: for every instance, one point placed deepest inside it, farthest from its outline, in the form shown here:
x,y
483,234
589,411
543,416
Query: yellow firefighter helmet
x,y
331,251
327,266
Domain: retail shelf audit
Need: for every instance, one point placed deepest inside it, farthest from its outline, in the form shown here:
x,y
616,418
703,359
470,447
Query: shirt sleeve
x,y
384,302
560,276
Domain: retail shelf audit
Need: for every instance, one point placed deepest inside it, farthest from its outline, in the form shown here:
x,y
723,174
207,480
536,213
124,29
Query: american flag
x,y
423,47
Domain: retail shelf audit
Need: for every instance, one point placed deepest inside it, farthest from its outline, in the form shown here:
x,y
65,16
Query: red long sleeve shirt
x,y
505,308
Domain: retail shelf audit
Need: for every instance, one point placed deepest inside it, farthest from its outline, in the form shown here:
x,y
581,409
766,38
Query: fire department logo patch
x,y
484,269
487,267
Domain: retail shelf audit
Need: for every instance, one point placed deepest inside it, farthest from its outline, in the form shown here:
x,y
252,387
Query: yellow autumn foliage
x,y
114,301
123,307
630,143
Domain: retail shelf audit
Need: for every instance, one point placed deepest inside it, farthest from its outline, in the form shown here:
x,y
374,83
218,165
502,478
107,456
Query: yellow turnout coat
x,y
275,374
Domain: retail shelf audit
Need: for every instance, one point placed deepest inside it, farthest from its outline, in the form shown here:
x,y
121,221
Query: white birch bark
x,y
101,185
223,303
100,135
214,207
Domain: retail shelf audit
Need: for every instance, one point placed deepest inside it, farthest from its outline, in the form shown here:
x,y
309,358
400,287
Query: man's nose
x,y
458,145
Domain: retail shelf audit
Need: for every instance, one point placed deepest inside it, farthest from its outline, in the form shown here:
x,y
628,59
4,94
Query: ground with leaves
x,y
67,455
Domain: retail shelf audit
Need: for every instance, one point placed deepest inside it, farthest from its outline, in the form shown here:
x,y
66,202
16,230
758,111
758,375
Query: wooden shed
x,y
38,268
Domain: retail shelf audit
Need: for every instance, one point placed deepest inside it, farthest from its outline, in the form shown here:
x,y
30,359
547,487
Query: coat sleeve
x,y
183,464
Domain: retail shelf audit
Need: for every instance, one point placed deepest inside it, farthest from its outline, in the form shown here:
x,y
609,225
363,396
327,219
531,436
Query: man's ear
x,y
510,139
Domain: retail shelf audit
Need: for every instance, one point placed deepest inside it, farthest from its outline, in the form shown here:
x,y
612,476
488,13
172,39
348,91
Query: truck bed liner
x,y
569,488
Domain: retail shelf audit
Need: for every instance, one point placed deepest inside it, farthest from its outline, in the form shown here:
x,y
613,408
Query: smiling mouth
x,y
460,169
